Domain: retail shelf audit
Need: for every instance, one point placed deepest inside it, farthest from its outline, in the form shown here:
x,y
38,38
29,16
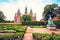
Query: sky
x,y
10,7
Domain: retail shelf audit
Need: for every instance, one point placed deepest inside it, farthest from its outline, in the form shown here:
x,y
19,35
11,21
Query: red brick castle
x,y
17,17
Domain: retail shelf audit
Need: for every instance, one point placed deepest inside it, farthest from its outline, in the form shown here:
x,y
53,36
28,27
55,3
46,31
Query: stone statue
x,y
51,24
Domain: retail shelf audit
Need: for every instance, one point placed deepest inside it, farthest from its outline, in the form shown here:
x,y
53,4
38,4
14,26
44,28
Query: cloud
x,y
11,8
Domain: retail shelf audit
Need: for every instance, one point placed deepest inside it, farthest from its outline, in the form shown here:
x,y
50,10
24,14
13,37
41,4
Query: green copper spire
x,y
50,21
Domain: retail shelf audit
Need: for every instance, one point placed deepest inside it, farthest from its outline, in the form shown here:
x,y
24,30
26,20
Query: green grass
x,y
37,26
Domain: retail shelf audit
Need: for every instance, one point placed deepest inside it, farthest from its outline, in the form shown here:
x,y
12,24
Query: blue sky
x,y
7,1
57,1
1,1
10,7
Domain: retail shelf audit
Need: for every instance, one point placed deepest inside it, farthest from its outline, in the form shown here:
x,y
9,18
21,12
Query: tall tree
x,y
57,12
49,10
2,17
26,18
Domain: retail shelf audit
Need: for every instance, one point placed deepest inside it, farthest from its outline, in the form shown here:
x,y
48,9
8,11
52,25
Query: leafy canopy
x,y
26,18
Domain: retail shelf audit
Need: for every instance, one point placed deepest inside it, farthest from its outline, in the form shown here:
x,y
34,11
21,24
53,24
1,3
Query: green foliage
x,y
37,23
12,31
11,36
26,18
39,36
49,10
12,28
2,17
50,7
37,26
57,23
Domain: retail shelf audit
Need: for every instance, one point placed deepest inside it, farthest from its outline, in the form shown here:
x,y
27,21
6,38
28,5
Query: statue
x,y
51,24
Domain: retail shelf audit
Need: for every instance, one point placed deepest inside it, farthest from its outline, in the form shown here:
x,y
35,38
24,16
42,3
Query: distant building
x,y
55,18
17,17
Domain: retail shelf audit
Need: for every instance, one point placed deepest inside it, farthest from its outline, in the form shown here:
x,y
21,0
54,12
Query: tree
x,y
2,17
58,16
57,12
26,18
49,10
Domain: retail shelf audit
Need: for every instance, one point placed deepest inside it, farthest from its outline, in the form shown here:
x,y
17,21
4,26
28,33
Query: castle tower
x,y
34,17
31,13
25,10
17,18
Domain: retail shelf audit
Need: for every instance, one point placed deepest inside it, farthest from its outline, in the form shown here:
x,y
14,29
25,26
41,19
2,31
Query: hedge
x,y
39,36
57,23
12,27
10,36
33,23
38,23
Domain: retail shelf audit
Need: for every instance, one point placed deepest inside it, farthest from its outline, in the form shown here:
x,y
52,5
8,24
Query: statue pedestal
x,y
51,27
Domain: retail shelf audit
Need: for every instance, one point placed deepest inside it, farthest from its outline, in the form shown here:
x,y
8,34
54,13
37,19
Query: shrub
x,y
39,36
15,27
37,26
57,22
17,36
33,23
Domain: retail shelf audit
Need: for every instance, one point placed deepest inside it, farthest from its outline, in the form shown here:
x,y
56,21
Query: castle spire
x,y
26,10
17,18
18,12
31,13
34,17
35,14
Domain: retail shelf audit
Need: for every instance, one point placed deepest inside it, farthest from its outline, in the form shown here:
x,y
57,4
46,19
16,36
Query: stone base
x,y
51,28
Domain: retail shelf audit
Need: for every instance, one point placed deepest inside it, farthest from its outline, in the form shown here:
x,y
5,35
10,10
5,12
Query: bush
x,y
33,23
17,36
57,22
37,26
38,36
15,27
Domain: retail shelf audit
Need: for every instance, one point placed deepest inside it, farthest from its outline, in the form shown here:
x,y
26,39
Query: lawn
x,y
37,26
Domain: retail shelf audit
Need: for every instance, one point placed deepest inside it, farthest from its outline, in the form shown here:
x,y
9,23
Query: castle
x,y
17,17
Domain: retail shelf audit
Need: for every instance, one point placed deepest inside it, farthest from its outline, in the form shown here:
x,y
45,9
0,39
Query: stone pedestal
x,y
51,27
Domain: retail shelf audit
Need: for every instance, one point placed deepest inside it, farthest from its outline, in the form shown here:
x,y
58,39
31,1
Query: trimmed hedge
x,y
57,22
37,26
38,36
33,23
12,28
10,36
38,23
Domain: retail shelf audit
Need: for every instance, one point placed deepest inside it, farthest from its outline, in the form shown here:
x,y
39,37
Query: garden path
x,y
28,35
45,30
